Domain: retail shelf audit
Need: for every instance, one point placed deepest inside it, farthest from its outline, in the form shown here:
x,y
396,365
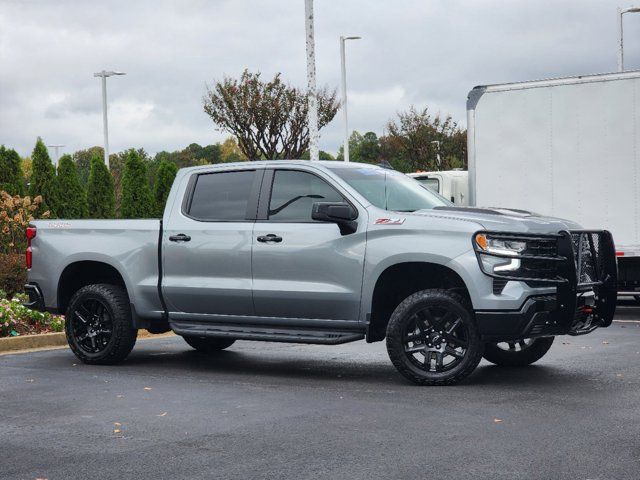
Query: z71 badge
x,y
389,221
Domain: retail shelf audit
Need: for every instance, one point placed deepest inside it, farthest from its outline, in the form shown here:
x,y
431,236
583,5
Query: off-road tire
x,y
123,336
402,316
209,344
532,353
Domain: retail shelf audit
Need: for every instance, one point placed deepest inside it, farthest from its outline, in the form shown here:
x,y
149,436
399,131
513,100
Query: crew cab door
x,y
207,243
304,268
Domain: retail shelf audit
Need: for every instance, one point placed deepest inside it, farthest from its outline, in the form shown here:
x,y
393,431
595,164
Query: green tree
x,y
355,139
82,159
101,198
11,178
369,149
73,201
164,179
43,178
137,201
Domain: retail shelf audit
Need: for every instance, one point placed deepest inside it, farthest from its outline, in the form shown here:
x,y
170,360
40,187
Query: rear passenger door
x,y
308,269
207,245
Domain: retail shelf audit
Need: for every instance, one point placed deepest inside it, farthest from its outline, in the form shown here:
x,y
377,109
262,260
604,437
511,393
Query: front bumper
x,y
585,299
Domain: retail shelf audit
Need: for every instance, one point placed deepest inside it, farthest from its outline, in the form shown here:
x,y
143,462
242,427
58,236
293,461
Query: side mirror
x,y
342,214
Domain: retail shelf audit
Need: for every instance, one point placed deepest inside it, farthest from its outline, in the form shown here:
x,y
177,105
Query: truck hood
x,y
502,219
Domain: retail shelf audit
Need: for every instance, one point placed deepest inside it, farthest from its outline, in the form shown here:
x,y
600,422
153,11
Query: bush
x,y
137,201
43,178
164,179
73,201
16,319
13,273
101,197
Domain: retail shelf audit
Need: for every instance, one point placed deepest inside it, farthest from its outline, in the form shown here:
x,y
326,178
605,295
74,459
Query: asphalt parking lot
x,y
263,410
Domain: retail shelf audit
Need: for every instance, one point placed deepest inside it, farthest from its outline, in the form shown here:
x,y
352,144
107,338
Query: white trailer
x,y
451,184
567,147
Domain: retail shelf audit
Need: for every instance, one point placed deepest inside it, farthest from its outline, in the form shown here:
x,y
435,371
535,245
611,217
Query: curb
x,y
50,340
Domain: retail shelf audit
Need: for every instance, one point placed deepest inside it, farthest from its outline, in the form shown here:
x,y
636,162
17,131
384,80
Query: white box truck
x,y
567,147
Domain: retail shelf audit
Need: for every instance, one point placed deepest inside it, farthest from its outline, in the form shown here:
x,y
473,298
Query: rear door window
x,y
222,196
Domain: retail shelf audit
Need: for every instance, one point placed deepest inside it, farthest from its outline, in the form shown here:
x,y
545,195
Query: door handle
x,y
179,238
269,238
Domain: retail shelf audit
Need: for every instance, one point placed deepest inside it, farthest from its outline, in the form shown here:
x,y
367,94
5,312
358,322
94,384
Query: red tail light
x,y
31,234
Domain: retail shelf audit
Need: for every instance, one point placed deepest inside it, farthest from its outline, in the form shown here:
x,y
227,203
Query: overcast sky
x,y
429,52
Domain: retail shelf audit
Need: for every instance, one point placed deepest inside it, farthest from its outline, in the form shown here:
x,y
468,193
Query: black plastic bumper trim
x,y
36,299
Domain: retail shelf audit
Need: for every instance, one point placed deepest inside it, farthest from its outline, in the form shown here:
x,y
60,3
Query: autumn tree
x,y
101,198
73,201
269,118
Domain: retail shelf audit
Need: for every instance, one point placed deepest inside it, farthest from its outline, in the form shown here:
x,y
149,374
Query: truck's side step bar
x,y
267,333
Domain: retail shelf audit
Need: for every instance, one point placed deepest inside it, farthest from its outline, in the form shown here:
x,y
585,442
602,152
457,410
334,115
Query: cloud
x,y
412,52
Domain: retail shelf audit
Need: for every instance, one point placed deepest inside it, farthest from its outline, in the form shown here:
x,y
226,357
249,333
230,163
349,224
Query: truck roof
x,y
274,163
477,91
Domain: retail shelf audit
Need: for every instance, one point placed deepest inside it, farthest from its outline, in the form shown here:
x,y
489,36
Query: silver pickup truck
x,y
325,253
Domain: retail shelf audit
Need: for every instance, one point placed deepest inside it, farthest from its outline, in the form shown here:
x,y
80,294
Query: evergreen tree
x,y
11,178
164,179
73,201
101,197
137,201
43,178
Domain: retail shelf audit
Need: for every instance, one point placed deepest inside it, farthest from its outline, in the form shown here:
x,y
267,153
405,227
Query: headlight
x,y
501,248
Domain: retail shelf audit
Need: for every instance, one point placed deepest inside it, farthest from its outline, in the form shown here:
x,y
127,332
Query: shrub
x,y
43,181
137,201
73,201
101,198
16,319
164,179
13,273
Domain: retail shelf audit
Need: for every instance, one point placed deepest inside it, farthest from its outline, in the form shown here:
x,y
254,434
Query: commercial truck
x,y
325,253
567,147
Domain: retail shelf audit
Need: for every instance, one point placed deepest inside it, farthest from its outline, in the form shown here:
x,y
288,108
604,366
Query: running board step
x,y
267,333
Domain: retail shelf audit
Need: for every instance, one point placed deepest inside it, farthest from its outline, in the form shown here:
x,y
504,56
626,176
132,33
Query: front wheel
x,y
209,344
518,353
432,338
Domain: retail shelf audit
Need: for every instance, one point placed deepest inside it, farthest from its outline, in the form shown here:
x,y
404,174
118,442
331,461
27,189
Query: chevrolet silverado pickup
x,y
325,253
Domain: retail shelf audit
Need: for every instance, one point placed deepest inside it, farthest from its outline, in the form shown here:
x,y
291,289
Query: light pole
x,y
344,95
312,115
55,162
104,74
621,12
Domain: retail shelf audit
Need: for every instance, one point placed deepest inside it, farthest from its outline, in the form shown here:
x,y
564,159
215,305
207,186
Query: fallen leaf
x,y
162,414
619,375
117,424
119,396
147,389
116,430
604,342
30,380
497,420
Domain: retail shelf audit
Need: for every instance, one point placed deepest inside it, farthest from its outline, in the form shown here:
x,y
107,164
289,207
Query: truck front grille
x,y
587,250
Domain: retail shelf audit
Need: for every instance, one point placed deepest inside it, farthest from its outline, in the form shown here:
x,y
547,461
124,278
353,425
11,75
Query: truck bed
x,y
129,246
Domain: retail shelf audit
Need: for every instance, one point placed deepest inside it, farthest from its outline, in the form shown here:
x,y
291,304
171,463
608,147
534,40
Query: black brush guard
x,y
583,267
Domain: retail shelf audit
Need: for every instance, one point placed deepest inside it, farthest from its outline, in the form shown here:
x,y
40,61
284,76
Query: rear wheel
x,y
209,344
518,353
432,338
98,324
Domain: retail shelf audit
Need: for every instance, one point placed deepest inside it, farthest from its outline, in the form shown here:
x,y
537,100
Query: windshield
x,y
389,189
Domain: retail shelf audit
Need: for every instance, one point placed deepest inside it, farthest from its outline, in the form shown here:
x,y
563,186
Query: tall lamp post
x,y
344,95
312,115
104,74
57,157
621,12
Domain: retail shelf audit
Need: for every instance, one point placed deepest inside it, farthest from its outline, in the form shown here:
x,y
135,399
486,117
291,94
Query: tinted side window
x,y
222,196
294,193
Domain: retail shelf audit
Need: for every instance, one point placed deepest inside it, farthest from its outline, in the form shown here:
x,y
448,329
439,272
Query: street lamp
x,y
344,95
55,162
104,74
620,38
312,113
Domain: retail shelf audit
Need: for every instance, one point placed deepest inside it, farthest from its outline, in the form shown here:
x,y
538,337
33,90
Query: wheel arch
x,y
399,280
